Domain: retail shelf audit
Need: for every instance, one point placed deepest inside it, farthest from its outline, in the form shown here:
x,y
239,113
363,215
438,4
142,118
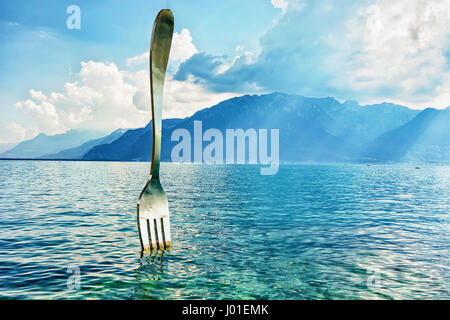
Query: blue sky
x,y
53,79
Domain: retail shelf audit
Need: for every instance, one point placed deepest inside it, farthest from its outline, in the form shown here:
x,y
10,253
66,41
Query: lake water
x,y
309,232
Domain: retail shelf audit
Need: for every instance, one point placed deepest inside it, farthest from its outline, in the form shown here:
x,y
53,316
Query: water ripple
x,y
310,232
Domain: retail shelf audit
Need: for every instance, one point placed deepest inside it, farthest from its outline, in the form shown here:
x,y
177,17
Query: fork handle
x,y
159,56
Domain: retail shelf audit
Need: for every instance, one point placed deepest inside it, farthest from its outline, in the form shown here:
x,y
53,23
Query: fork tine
x,y
160,240
166,226
144,234
143,231
152,233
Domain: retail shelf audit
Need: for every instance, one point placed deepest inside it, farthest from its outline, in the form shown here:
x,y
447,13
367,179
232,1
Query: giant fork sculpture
x,y
152,207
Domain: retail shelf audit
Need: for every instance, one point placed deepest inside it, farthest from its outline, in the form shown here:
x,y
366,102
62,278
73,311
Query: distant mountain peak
x,y
44,144
351,103
310,129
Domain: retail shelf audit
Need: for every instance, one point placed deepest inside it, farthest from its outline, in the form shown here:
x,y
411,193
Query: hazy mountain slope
x,y
7,146
133,145
79,151
43,144
361,124
424,138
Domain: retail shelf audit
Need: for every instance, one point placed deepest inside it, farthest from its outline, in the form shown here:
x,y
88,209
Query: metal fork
x,y
152,208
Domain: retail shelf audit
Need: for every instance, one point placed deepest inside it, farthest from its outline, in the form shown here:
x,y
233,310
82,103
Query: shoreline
x,y
365,163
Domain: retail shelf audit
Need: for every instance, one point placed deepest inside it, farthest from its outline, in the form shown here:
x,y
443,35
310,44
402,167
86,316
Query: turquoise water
x,y
309,232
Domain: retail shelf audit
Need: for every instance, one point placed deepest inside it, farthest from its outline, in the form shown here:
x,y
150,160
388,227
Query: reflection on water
x,y
309,232
151,265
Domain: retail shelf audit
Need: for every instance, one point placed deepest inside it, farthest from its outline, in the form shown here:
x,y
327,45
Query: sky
x,y
53,78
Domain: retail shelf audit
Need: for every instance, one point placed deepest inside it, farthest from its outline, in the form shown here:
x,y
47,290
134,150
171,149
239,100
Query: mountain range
x,y
79,151
44,144
6,146
133,145
310,129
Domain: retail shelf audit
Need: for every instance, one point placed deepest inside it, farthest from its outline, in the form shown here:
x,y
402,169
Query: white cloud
x,y
43,109
227,65
184,98
181,98
182,46
280,4
402,45
141,81
100,100
138,60
371,50
106,98
246,57
13,132
17,130
45,113
182,49
290,5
